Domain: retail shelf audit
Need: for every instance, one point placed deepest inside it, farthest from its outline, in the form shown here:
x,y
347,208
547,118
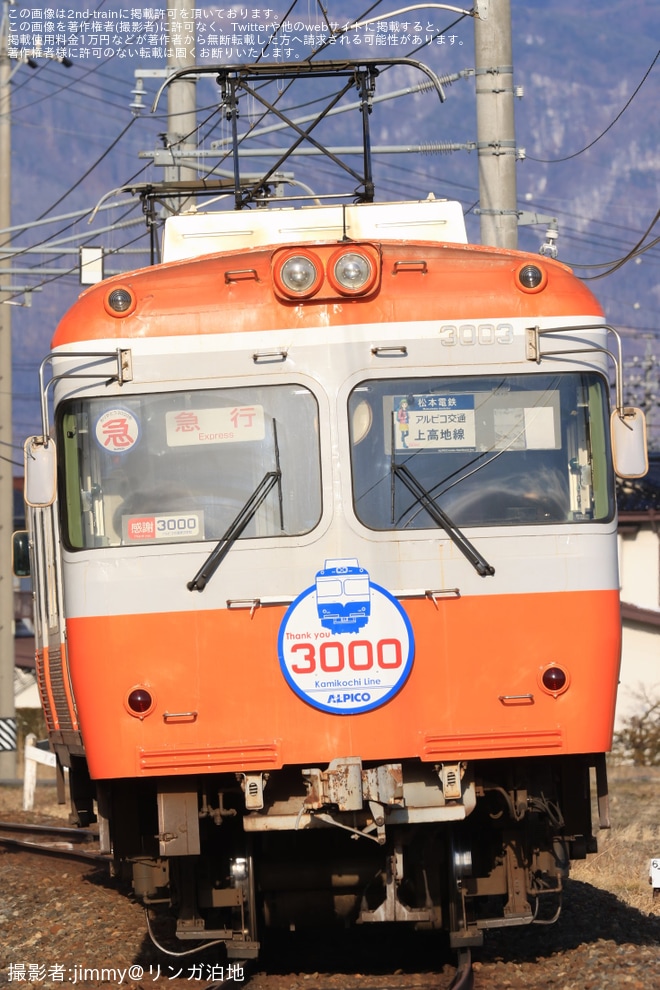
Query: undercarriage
x,y
456,847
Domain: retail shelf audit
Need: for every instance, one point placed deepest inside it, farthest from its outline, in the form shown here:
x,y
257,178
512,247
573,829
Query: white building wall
x,y
639,561
640,669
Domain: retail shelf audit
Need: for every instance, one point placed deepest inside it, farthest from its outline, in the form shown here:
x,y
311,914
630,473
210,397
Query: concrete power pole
x,y
496,140
7,709
181,95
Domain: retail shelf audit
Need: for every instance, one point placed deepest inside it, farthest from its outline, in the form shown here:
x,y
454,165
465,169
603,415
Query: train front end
x,y
328,616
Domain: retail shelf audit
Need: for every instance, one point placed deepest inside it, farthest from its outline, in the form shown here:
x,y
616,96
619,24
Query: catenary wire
x,y
320,48
80,180
69,272
567,158
634,251
91,168
368,11
595,239
31,248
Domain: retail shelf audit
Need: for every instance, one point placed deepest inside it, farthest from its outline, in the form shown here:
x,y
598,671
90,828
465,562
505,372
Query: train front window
x,y
180,466
489,451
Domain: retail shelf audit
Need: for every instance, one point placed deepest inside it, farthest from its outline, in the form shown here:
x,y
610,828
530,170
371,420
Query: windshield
x,y
520,449
179,466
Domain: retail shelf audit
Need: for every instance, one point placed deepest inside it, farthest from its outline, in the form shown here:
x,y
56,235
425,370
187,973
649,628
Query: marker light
x,y
139,702
120,302
300,275
555,680
531,278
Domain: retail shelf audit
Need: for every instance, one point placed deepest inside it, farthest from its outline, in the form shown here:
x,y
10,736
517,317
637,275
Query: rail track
x,y
601,940
600,943
52,840
82,844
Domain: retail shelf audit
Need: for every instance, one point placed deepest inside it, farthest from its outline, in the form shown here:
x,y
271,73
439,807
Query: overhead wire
x,y
32,248
275,33
638,249
637,252
10,460
60,87
316,52
56,234
72,91
14,446
74,186
567,158
68,273
91,168
78,182
253,124
634,252
550,206
390,166
181,140
336,34
603,240
214,111
594,239
91,237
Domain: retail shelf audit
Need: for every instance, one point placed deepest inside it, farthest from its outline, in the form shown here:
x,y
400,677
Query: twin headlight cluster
x,y
326,271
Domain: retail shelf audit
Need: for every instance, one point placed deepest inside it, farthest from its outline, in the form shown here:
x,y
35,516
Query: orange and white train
x,y
323,538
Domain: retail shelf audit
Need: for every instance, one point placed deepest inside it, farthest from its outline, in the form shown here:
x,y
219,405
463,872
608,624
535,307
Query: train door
x,y
49,615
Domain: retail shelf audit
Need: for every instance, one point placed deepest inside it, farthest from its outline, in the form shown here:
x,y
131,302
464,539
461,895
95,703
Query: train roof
x,y
195,234
232,290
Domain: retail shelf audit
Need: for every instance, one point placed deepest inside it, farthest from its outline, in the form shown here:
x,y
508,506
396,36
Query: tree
x,y
638,741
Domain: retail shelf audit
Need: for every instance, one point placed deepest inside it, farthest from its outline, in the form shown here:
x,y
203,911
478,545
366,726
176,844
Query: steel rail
x,y
67,841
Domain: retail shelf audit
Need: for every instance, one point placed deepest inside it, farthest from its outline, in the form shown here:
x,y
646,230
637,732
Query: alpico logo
x,y
345,644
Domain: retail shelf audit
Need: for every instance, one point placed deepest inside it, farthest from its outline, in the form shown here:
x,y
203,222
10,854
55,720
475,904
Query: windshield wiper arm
x,y
440,517
245,515
236,527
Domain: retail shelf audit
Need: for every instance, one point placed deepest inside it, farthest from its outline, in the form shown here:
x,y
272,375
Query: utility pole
x,y
496,139
181,94
642,388
7,709
8,735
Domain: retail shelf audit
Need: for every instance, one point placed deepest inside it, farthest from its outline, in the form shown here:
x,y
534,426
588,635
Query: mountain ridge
x,y
599,175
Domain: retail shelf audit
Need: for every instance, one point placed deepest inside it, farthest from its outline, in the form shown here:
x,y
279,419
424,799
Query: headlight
x,y
352,272
299,275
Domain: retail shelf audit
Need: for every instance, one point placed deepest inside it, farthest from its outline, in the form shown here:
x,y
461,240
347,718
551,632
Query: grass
x,y
621,865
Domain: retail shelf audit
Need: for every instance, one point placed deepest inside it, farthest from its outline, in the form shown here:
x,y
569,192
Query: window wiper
x,y
243,518
440,517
